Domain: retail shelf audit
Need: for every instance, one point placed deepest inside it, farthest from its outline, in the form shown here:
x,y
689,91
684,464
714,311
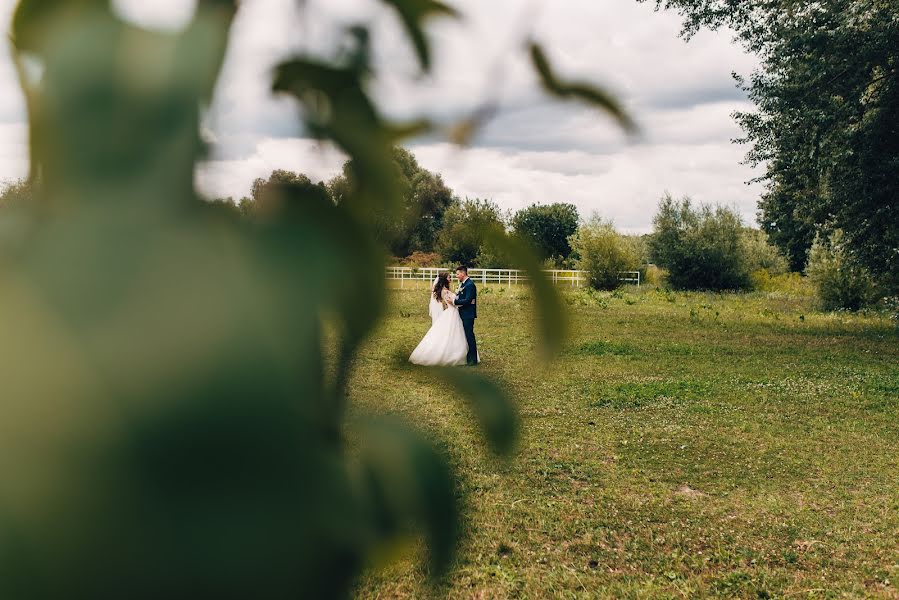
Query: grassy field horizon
x,y
683,445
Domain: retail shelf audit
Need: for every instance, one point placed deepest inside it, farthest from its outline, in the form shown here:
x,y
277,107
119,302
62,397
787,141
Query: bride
x,y
444,344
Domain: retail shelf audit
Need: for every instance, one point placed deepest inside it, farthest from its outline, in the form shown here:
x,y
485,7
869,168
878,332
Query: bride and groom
x,y
450,341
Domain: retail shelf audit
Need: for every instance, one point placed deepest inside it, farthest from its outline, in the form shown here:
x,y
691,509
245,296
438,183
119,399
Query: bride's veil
x,y
435,307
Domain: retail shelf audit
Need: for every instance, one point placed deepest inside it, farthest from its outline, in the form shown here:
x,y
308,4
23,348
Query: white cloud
x,y
535,150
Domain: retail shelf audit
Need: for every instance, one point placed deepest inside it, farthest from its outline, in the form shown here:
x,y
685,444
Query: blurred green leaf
x,y
196,445
299,218
405,478
551,316
492,406
577,90
413,13
339,109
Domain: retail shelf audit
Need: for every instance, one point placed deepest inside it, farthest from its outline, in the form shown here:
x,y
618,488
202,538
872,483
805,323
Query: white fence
x,y
502,276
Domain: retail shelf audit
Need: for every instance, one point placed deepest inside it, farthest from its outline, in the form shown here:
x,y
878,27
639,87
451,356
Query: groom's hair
x,y
462,268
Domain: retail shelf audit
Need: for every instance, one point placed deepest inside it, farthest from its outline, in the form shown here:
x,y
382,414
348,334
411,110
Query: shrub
x,y
547,228
652,274
840,282
604,253
701,248
421,259
793,284
760,254
465,229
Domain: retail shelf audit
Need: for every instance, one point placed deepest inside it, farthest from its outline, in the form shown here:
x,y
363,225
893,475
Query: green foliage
x,y
825,122
174,416
700,248
552,323
492,407
413,13
420,259
604,253
464,239
547,228
761,255
793,284
266,197
577,90
424,200
841,283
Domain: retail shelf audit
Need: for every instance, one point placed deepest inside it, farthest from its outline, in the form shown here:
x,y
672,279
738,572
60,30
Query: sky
x,y
534,150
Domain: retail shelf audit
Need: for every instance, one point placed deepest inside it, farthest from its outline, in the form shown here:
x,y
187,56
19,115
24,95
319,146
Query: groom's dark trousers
x,y
466,300
468,325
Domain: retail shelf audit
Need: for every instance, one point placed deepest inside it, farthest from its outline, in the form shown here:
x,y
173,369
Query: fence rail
x,y
503,276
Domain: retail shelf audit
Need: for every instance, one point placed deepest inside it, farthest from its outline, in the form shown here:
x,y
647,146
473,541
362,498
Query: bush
x,y
840,282
466,227
547,229
491,257
604,253
793,284
652,275
701,248
421,259
760,254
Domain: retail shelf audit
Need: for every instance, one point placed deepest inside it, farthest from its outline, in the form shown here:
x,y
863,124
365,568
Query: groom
x,y
466,300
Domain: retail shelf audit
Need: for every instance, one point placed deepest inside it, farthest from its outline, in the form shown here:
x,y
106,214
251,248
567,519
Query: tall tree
x,y
827,120
547,227
424,200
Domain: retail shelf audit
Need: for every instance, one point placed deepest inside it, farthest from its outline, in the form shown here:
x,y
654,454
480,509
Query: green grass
x,y
683,445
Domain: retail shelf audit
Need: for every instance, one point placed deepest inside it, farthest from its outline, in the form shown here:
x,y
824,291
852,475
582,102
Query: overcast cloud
x,y
536,150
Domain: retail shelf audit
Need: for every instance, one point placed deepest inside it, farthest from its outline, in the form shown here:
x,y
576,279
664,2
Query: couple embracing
x,y
450,341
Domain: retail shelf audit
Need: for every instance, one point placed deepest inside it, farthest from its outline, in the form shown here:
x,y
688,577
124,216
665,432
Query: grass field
x,y
683,445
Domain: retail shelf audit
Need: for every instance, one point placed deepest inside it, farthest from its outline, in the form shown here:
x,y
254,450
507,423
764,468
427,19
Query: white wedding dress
x,y
444,344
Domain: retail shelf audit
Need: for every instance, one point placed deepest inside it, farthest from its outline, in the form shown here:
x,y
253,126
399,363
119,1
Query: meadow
x,y
682,445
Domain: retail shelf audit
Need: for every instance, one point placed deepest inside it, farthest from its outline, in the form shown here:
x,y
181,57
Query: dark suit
x,y
468,311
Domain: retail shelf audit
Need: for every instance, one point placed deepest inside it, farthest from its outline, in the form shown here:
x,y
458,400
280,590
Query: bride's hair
x,y
442,284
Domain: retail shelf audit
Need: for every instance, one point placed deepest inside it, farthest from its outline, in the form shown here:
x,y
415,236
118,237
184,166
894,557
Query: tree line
x,y
699,247
433,224
825,128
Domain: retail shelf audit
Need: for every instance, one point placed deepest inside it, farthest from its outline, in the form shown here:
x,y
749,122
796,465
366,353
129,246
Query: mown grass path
x,y
684,445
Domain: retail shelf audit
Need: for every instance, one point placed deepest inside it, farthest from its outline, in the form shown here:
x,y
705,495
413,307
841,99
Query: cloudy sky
x,y
535,150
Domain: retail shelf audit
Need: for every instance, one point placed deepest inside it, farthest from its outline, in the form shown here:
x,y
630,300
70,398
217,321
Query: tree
x,y
547,228
701,248
467,228
826,124
265,194
424,200
604,253
840,282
